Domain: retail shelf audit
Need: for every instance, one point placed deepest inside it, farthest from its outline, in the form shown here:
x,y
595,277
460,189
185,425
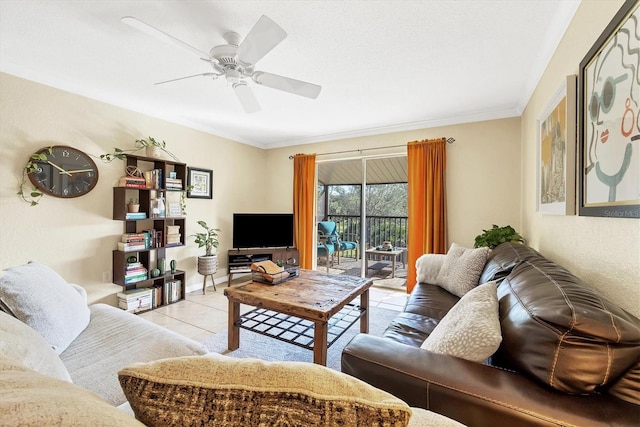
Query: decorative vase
x,y
155,272
153,152
173,264
161,265
207,264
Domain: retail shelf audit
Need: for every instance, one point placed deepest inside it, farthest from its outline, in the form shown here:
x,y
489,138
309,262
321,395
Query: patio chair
x,y
328,230
325,248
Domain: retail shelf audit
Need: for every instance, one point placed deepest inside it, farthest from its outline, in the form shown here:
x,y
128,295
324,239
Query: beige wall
x,y
604,252
483,172
490,179
76,236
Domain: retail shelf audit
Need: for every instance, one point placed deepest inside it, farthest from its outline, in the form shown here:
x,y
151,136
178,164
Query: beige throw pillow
x,y
28,398
471,329
220,390
461,269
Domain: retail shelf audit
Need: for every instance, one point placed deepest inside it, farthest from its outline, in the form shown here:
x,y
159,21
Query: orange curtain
x,y
426,161
304,175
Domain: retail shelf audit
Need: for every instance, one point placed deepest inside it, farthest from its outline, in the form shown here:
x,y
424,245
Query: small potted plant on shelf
x,y
133,205
207,263
496,235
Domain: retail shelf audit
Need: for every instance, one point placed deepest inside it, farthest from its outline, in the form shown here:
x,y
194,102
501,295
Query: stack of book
x,y
133,242
173,235
134,272
136,215
133,182
135,300
173,184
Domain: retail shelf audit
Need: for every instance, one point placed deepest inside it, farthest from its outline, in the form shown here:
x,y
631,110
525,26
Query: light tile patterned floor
x,y
198,316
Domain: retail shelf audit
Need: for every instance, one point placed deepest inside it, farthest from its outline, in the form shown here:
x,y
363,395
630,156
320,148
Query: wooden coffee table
x,y
288,311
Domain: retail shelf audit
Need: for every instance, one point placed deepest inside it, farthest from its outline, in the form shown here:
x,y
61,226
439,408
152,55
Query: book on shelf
x,y
153,178
133,293
136,215
172,291
136,279
132,182
173,184
124,247
133,265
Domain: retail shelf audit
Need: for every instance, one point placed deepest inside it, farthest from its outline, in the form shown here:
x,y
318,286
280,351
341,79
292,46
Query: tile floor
x,y
199,316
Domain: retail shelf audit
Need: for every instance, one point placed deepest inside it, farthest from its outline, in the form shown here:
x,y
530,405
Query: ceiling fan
x,y
236,60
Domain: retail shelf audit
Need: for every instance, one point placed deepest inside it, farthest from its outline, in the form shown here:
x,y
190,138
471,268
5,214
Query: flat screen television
x,y
262,230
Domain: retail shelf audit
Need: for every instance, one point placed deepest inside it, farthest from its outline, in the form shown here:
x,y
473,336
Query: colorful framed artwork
x,y
200,183
557,152
608,120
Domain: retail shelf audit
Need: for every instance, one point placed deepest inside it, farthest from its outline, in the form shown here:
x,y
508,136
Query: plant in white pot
x,y
207,263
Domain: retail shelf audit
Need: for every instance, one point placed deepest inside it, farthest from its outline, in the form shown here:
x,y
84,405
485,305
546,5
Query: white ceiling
x,y
384,66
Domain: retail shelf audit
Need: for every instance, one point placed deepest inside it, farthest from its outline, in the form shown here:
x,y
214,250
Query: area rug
x,y
266,348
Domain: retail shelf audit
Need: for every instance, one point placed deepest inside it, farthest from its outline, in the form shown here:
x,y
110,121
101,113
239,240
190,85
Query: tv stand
x,y
240,260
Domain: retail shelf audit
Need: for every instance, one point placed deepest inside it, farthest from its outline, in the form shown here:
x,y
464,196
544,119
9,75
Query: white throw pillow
x,y
428,267
42,299
471,329
461,269
22,345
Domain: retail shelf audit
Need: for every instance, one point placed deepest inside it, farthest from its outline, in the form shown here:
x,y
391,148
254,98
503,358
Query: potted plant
x,y
207,263
133,205
496,235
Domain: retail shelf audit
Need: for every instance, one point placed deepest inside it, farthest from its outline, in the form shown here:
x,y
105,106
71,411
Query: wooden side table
x,y
393,254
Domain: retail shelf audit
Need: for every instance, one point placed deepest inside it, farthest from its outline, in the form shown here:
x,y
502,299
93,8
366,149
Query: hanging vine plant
x,y
140,144
31,194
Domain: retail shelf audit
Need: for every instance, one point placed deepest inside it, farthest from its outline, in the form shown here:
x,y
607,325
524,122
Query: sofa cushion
x,y
219,390
501,260
461,269
471,329
28,398
26,347
41,298
115,339
561,332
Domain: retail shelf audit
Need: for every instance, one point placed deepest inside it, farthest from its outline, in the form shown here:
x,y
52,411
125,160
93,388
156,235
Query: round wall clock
x,y
67,172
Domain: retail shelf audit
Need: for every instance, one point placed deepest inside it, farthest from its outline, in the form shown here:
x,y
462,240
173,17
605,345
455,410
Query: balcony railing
x,y
378,229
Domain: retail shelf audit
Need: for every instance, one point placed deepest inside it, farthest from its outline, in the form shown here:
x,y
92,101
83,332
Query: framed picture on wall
x,y
200,182
556,171
608,120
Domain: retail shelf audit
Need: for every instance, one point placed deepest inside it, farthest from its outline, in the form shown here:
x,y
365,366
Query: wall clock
x,y
67,172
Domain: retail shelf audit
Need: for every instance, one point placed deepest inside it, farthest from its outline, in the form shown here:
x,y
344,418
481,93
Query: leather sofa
x,y
568,356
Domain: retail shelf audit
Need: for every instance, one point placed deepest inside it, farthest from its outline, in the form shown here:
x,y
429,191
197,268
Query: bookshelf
x,y
149,237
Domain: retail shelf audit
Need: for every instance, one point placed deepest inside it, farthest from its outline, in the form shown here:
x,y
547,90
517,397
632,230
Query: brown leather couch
x,y
568,355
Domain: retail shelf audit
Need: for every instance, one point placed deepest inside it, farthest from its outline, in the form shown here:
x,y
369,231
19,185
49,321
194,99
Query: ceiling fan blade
x,y
188,77
263,37
246,97
297,87
159,34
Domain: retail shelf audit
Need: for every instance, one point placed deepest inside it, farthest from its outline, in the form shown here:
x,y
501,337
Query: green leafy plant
x,y
133,201
31,195
208,239
140,144
183,199
496,235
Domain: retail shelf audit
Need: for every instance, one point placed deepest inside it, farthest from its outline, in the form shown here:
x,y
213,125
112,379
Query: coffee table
x,y
311,310
393,254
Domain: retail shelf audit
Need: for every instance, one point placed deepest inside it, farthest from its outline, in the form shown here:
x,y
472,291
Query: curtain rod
x,y
449,141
